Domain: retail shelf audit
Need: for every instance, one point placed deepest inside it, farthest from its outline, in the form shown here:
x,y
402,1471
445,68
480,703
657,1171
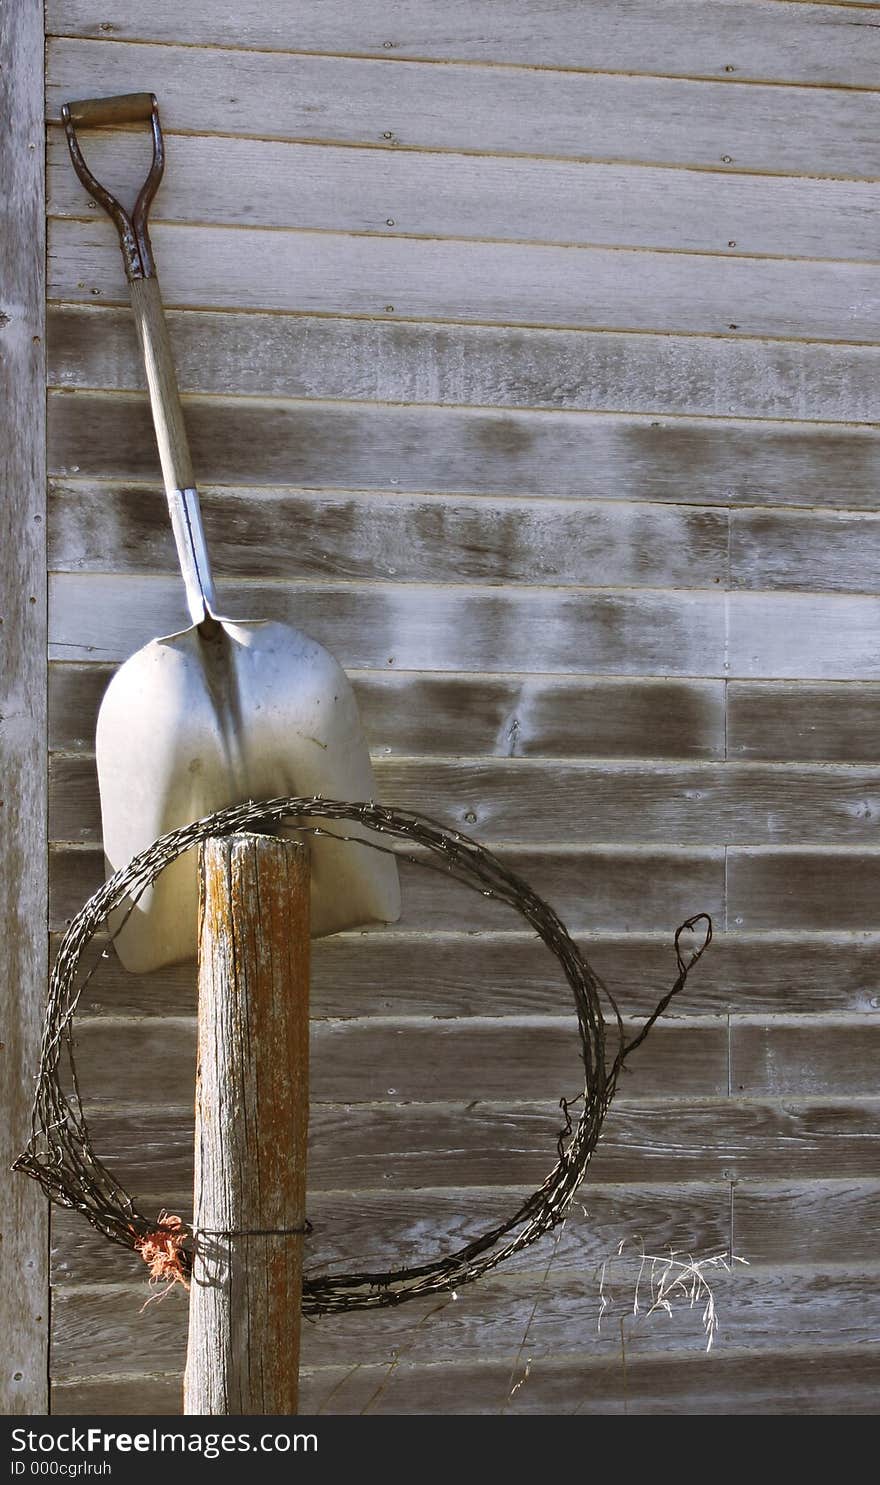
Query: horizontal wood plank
x,y
811,551
759,1309
778,720
462,974
781,1058
376,1230
738,38
818,1221
415,627
478,715
579,803
814,890
831,1382
270,183
804,636
501,283
396,1147
371,1061
361,537
478,366
630,890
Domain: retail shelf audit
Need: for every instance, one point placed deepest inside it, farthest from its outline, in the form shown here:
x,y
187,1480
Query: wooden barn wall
x,y
531,361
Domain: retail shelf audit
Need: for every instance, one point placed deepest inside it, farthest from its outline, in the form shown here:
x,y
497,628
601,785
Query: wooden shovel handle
x,y
174,455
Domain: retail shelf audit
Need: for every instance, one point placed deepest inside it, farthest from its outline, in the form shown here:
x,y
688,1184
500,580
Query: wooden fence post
x,y
252,1102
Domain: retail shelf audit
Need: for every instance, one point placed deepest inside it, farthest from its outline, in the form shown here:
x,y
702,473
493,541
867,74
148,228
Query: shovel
x,y
229,709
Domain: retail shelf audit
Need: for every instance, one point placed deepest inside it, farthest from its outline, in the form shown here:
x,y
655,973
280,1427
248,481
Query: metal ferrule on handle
x,y
152,330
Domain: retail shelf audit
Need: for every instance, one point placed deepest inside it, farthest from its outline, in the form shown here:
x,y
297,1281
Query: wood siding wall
x,y
531,362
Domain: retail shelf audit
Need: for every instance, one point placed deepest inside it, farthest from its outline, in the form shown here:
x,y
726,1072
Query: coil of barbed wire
x,y
60,1155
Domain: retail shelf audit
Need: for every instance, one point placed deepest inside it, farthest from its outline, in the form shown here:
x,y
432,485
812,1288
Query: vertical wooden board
x,y
778,720
23,1293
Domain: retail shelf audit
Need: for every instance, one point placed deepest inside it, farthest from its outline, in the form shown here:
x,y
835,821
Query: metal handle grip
x,y
127,108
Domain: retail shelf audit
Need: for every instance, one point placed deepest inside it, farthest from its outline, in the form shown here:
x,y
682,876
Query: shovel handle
x,y
146,302
127,108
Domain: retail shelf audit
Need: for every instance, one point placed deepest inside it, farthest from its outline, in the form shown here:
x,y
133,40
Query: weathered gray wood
x,y
811,551
811,889
24,1291
130,1394
827,1221
506,283
96,528
466,974
584,803
776,720
760,1310
422,448
268,183
680,417
249,441
352,1230
737,38
418,627
472,715
252,1114
580,803
783,1057
416,1061
629,889
830,1382
805,636
398,1147
424,1060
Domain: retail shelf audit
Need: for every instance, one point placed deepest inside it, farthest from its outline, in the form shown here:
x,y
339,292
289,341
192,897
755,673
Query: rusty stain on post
x,y
251,1126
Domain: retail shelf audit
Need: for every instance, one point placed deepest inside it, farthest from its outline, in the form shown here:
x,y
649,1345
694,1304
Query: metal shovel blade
x,y
213,716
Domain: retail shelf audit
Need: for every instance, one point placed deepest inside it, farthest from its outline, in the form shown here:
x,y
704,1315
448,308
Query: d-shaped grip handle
x,y
127,108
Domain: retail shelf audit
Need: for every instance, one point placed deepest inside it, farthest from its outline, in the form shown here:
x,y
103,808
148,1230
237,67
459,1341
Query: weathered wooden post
x,y
252,1103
